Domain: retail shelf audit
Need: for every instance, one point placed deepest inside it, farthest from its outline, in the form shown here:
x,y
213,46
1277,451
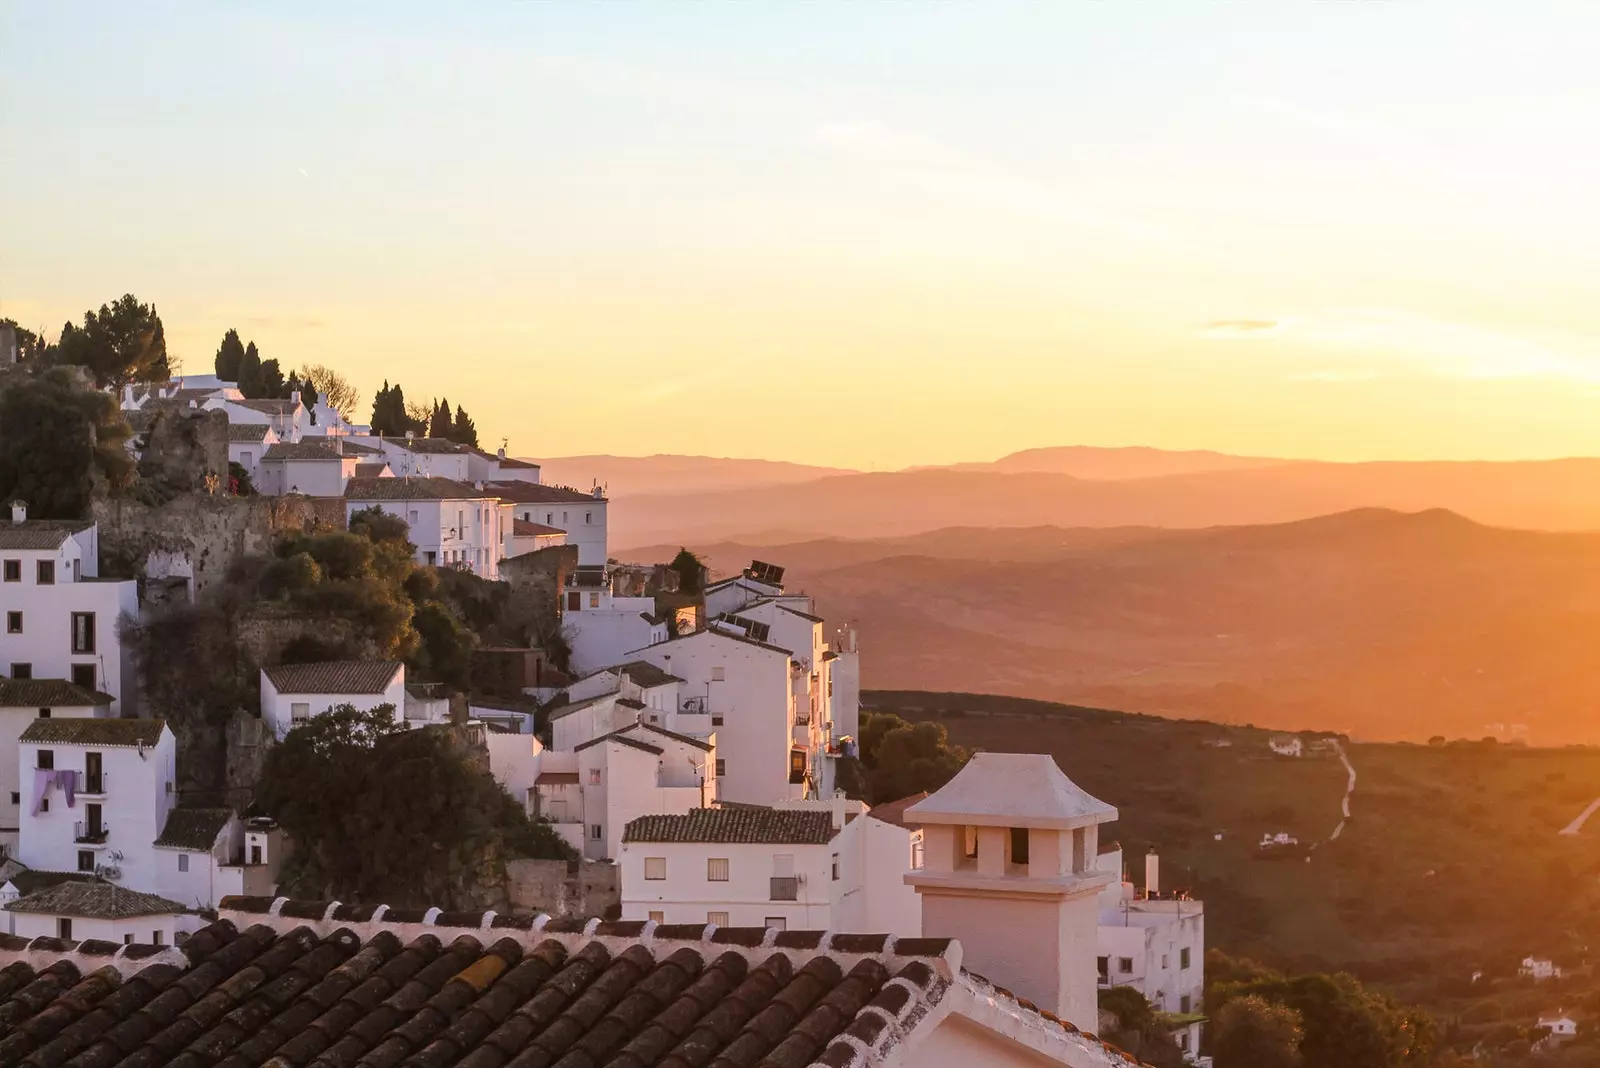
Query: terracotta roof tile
x,y
537,493
48,693
193,828
94,899
247,432
123,732
522,528
414,488
738,825
33,534
334,676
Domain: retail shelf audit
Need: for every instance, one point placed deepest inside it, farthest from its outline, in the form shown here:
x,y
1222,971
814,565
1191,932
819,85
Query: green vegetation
x,y
1450,863
1252,1032
315,379
394,417
1138,1028
59,440
123,342
378,812
900,758
690,570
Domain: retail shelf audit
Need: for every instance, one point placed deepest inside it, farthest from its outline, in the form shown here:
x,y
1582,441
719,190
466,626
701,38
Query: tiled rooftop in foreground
x,y
298,984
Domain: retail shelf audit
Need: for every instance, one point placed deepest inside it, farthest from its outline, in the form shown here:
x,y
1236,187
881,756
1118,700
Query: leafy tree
x,y
58,441
239,482
903,758
31,347
1252,1032
230,354
463,431
690,571
378,812
123,342
1138,1029
272,383
316,378
250,372
441,425
446,652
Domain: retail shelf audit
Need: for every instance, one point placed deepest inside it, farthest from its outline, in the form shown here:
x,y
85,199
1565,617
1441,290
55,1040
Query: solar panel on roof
x,y
762,571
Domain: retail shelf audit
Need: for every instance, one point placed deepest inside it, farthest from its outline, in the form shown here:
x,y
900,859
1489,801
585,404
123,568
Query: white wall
x,y
437,526
515,761
143,929
405,462
752,699
870,895
138,797
314,478
46,638
606,635
1154,934
278,709
687,896
734,595
205,883
600,717
583,520
13,721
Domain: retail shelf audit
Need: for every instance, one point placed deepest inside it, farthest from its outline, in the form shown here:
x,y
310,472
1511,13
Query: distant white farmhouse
x,y
1539,969
1287,745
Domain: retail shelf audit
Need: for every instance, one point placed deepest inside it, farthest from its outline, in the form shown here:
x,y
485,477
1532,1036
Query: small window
x,y
1103,964
586,517
777,923
299,711
1185,1003
836,867
595,832
47,759
594,600
82,632
658,917
722,767
13,570
969,847
64,927
157,938
549,518
717,869
1019,845
127,939
1183,960
22,671
44,713
594,776
13,622
1125,965
719,674
85,860
183,862
655,868
47,572
718,918
83,676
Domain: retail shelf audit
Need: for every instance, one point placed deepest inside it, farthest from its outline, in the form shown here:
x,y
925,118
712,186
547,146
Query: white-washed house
x,y
414,457
581,515
21,702
315,467
869,859
200,859
1155,944
602,628
291,694
452,524
247,444
96,909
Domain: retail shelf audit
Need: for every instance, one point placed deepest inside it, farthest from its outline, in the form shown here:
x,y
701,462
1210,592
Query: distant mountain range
x,y
1386,625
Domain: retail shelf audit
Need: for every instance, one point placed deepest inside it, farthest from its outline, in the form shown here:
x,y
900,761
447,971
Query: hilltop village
x,y
695,856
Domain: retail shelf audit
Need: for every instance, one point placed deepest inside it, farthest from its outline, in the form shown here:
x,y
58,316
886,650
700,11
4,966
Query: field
x,y
1450,863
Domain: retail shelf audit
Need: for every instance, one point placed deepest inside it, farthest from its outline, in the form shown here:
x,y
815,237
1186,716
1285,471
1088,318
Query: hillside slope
x,y
671,474
1384,625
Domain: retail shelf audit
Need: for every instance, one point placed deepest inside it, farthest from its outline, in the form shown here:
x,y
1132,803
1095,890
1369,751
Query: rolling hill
x,y
1376,623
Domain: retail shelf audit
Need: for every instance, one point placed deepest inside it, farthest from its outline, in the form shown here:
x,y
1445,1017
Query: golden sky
x,y
870,236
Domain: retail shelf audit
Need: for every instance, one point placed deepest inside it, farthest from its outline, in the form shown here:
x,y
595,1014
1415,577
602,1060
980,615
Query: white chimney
x,y
127,395
502,453
1152,875
19,511
838,810
1011,871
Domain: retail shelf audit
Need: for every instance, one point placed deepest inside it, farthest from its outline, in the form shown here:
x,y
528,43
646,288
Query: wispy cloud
x,y
1386,342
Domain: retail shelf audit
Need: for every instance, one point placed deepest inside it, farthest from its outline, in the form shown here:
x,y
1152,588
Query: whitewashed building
x,y
315,467
602,628
96,794
414,457
21,702
452,524
527,536
96,909
869,859
286,417
1010,847
497,467
247,444
1539,969
200,858
1155,944
60,618
581,515
291,694
738,865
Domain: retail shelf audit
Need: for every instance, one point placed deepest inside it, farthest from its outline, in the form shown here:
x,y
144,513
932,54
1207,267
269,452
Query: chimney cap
x,y
1012,790
19,510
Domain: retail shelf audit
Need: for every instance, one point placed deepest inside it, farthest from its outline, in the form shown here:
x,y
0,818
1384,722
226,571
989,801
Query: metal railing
x,y
87,834
785,888
93,784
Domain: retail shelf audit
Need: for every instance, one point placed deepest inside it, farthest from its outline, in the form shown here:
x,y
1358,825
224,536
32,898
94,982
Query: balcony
x,y
93,786
90,834
785,888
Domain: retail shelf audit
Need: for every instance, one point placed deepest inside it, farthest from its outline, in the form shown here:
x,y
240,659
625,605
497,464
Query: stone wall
x,y
181,447
536,578
560,888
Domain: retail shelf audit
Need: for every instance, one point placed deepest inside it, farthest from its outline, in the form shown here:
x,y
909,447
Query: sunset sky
x,y
861,234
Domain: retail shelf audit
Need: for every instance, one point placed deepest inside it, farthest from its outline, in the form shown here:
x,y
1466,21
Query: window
x,y
44,804
658,917
22,671
1125,965
183,862
157,938
719,674
432,556
47,759
596,832
461,522
47,572
1019,845
722,767
1183,960
85,860
13,570
127,939
586,518
574,601
1103,964
776,922
655,868
836,867
549,518
299,711
717,869
83,632
64,927
594,600
718,918
16,797
594,776
83,675
44,713
970,844
1185,1003
13,622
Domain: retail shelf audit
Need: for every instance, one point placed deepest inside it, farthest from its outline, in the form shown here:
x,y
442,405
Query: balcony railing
x,y
785,888
89,834
93,784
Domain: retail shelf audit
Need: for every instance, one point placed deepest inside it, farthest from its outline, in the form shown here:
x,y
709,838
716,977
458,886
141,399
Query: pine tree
x,y
250,372
464,431
441,425
272,379
229,355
